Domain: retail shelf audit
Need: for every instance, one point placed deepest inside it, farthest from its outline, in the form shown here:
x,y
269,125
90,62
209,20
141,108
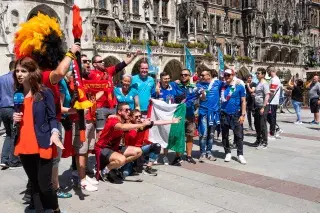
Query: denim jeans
x,y
297,107
7,155
206,136
151,150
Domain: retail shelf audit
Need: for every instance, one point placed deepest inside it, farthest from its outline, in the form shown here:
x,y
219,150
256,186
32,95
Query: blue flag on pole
x,y
152,68
221,62
189,61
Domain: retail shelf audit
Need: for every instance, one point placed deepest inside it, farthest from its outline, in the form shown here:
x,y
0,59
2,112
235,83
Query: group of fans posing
x,y
117,122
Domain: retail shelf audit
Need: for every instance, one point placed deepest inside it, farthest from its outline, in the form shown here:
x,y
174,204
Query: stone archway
x,y
294,56
173,67
45,9
111,61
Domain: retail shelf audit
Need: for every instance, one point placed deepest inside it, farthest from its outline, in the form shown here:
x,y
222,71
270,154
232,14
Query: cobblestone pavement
x,y
283,178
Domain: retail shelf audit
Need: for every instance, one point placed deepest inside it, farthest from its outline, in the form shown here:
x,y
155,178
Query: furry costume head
x,y
40,38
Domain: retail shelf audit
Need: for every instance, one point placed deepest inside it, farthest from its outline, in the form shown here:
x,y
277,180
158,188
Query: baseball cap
x,y
229,71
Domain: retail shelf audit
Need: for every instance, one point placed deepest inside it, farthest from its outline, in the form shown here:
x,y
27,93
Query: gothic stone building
x,y
251,33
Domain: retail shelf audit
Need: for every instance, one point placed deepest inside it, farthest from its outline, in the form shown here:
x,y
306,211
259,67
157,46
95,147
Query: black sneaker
x,y
149,171
256,143
233,146
119,174
262,146
191,160
104,177
17,166
113,177
177,161
27,197
4,166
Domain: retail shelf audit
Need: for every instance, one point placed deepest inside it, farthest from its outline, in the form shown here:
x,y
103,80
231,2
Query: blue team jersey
x,y
212,101
129,98
144,86
164,93
232,95
187,93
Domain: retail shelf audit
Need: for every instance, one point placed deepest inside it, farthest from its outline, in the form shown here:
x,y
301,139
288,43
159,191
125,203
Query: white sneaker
x,y
228,157
271,137
298,122
92,180
88,186
165,160
242,160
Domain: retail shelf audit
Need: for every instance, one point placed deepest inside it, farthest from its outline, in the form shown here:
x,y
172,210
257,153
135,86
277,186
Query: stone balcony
x,y
282,42
156,50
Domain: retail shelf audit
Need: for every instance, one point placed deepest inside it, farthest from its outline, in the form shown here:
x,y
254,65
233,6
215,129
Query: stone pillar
x,y
195,28
188,25
130,6
160,8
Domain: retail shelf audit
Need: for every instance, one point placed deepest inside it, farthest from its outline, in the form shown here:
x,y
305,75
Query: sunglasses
x,y
126,110
184,75
138,116
86,61
99,62
227,75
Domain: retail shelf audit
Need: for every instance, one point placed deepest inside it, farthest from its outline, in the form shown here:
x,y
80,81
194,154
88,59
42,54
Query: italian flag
x,y
171,136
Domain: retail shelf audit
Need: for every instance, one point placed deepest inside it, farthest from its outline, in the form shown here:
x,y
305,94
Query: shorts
x,y
56,160
83,147
189,127
314,106
101,115
105,155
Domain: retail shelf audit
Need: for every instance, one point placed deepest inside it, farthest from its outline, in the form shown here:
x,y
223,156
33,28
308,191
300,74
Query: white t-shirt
x,y
274,84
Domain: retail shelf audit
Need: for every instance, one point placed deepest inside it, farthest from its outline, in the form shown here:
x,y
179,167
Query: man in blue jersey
x,y
144,84
233,113
164,90
209,111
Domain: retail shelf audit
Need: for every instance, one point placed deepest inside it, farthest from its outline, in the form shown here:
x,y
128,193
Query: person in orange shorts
x,y
38,124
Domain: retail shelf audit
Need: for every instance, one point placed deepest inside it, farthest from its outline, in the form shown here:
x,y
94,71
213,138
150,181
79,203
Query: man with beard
x,y
185,93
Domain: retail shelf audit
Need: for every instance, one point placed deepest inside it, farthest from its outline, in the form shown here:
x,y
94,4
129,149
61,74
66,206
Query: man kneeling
x,y
136,137
109,155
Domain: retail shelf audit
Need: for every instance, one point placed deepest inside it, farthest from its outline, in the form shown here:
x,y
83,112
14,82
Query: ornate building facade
x,y
251,33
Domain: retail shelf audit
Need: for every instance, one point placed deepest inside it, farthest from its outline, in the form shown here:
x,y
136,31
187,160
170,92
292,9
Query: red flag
x,y
77,22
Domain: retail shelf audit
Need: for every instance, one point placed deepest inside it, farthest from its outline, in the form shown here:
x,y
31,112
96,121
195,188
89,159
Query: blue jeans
x,y
151,150
148,150
297,107
206,135
7,155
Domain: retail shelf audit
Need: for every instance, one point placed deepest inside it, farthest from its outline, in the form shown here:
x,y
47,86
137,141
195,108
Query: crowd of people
x,y
39,131
117,120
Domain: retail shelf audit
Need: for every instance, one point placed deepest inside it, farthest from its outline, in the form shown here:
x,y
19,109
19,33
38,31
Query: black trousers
x,y
39,172
260,124
231,122
272,118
